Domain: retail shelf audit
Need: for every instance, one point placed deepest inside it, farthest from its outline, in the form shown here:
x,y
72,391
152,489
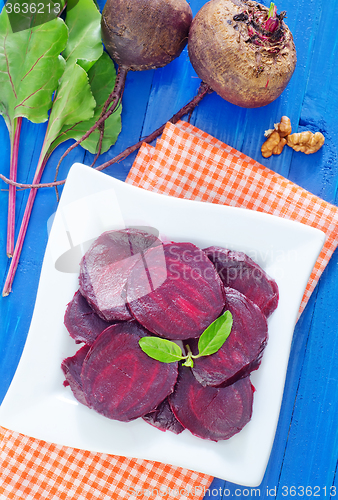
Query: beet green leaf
x,y
30,67
73,102
102,78
84,43
24,16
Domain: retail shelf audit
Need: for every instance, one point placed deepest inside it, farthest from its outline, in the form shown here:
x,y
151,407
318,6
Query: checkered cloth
x,y
33,469
189,163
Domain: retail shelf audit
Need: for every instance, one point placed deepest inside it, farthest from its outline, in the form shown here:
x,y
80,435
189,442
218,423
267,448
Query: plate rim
x,y
79,169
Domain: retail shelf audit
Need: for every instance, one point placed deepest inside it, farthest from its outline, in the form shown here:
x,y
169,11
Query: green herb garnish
x,y
209,342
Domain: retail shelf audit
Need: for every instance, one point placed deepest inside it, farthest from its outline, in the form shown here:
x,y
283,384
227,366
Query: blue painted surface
x,y
303,461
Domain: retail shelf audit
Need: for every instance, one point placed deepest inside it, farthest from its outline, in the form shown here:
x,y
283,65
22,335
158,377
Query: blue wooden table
x,y
303,461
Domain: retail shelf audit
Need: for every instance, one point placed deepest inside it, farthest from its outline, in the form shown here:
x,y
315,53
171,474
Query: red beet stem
x,y
203,90
23,229
12,188
272,22
114,97
264,30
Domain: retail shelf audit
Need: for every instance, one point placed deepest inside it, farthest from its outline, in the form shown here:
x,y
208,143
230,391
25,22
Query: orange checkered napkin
x,y
31,469
189,163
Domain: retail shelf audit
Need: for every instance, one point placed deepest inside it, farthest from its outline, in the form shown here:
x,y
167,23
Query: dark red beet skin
x,y
209,412
82,323
105,267
119,380
242,351
175,291
163,418
71,368
238,271
145,34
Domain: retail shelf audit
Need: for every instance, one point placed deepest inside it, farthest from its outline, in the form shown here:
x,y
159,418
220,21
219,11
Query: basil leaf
x,y
215,335
161,349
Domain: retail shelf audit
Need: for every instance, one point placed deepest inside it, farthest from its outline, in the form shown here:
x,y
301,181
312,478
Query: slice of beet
x,y
242,351
119,380
71,368
239,271
164,419
209,412
105,267
82,322
175,291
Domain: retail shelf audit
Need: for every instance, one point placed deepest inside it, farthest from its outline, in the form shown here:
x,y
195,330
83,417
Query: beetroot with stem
x,y
243,50
140,35
262,47
263,42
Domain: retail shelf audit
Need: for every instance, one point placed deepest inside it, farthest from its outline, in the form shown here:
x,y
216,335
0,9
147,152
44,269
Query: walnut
x,y
306,142
284,127
268,132
279,148
269,145
276,138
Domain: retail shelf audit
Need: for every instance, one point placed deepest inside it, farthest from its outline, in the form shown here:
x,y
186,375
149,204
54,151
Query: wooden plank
x,y
311,451
310,456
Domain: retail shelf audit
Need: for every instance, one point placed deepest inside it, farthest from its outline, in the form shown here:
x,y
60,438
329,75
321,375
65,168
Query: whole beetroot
x,y
242,50
145,34
139,35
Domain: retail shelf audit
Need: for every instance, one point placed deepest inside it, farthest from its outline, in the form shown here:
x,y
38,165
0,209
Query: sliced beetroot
x,y
239,271
242,351
119,380
164,419
105,267
175,291
82,322
71,368
209,412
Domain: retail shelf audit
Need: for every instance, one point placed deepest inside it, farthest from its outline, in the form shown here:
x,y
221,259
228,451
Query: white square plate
x,y
38,405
